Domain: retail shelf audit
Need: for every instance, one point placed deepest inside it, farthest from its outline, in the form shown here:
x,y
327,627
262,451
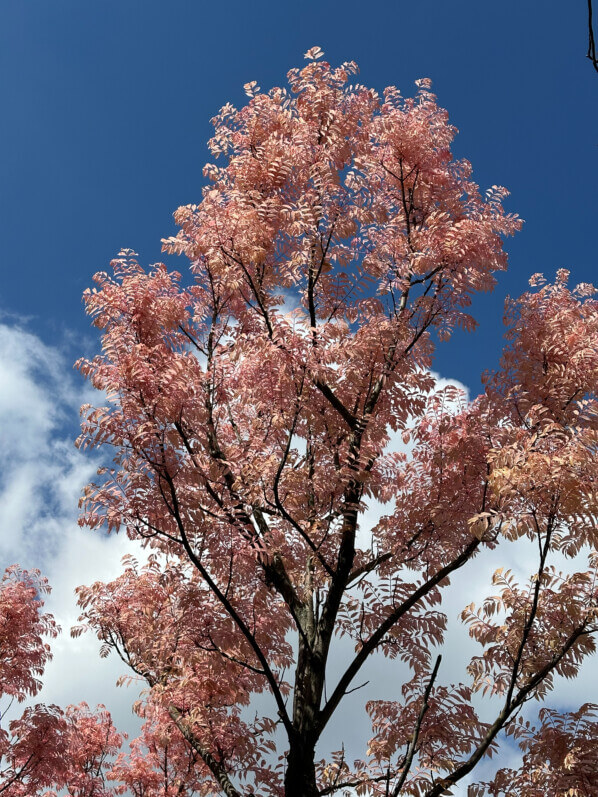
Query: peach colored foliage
x,y
45,747
255,411
251,412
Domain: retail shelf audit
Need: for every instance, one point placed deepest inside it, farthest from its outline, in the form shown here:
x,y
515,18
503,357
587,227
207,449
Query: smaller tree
x,y
45,747
89,744
160,762
31,746
23,629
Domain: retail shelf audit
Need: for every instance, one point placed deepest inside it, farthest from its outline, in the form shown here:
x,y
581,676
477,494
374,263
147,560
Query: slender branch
x,y
280,506
368,567
372,643
326,391
348,784
442,786
3,713
413,743
338,405
356,688
273,567
229,656
263,310
17,775
214,765
231,611
192,340
591,42
344,565
533,611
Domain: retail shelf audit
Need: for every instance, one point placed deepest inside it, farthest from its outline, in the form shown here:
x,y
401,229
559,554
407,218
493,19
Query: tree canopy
x,y
257,409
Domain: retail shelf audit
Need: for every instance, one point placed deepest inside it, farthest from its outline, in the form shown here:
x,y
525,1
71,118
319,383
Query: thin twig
x,y
591,42
413,743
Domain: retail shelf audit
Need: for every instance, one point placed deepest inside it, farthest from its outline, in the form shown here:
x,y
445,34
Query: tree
x,y
253,414
45,746
28,749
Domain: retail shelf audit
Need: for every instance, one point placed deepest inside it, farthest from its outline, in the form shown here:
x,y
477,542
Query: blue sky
x,y
106,109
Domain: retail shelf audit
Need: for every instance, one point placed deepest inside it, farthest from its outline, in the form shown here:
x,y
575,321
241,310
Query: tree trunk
x,y
300,778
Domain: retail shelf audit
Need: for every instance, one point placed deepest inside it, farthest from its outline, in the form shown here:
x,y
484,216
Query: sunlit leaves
x,y
256,411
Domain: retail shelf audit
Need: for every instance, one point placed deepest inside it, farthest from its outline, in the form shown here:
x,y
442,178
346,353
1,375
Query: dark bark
x,y
300,777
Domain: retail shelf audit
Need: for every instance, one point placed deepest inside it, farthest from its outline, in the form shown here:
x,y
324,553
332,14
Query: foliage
x,y
45,746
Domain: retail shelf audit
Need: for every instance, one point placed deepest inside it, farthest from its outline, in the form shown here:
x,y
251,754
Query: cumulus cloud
x,y
41,477
41,472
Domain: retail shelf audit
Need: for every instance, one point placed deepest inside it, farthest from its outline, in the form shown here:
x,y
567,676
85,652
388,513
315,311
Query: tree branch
x,y
368,567
338,405
408,760
231,611
371,644
443,785
591,42
212,763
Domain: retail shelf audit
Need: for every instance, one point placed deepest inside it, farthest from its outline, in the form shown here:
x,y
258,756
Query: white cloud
x,y
77,672
41,478
38,398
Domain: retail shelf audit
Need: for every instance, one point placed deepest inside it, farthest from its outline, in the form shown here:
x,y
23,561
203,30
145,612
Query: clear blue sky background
x,y
106,107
